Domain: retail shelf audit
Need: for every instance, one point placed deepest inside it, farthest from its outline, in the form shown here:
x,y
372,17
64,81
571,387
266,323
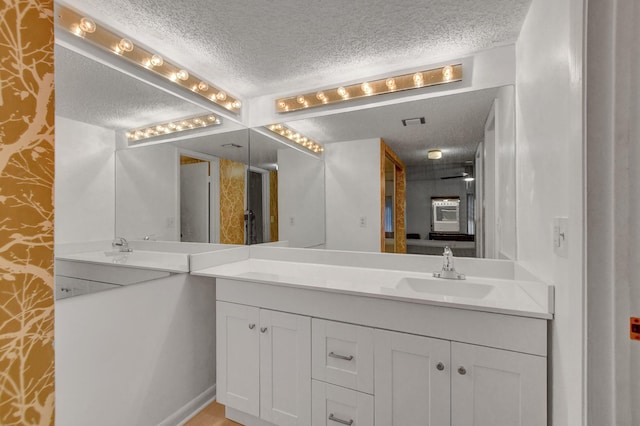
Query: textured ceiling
x,y
261,47
93,93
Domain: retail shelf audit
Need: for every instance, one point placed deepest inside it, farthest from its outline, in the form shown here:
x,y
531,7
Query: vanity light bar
x,y
293,136
108,40
432,77
162,129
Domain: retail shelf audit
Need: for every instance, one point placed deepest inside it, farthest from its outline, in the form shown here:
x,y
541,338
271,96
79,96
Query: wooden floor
x,y
211,415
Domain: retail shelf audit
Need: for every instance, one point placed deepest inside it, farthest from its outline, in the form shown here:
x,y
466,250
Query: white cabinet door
x,y
335,406
285,368
342,354
497,387
412,380
238,377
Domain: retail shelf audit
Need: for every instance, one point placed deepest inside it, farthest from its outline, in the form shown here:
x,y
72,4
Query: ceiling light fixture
x,y
162,129
432,77
111,41
293,136
434,154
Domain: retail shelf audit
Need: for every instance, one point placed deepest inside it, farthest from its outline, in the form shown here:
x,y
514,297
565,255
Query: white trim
x,y
191,408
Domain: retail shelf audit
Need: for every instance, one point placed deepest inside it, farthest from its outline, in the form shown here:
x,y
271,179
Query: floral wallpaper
x,y
232,202
26,213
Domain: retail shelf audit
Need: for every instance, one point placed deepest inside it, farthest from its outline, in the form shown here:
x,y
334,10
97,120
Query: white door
x,y
285,368
238,357
496,387
412,380
194,202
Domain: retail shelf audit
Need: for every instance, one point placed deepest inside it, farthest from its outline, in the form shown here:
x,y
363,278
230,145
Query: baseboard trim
x,y
191,408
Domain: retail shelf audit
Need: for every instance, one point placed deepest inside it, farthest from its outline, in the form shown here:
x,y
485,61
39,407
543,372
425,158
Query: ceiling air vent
x,y
413,121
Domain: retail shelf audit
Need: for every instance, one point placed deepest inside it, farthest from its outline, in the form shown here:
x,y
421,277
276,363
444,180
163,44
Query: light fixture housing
x,y
175,126
290,134
416,80
119,44
434,154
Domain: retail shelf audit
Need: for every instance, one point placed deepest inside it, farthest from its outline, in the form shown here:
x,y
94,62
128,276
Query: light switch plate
x,y
560,236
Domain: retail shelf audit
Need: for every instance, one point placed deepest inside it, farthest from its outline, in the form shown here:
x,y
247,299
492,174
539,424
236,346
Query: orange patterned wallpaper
x,y
26,213
273,204
232,197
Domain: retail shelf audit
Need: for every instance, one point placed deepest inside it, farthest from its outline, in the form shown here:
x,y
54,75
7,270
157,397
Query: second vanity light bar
x,y
162,129
432,77
293,136
88,29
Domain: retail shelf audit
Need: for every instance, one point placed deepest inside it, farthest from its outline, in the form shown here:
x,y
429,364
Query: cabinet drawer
x,y
342,354
336,406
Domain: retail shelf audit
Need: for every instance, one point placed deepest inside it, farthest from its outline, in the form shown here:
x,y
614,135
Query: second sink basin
x,y
445,287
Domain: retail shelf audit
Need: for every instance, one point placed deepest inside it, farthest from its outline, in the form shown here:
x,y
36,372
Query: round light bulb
x,y
211,118
391,83
300,99
342,92
221,96
125,45
279,126
321,96
366,88
139,133
236,104
417,79
87,25
447,73
172,126
182,75
281,104
156,60
203,86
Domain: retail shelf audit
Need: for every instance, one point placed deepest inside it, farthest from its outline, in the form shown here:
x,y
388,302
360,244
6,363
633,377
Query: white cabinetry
x,y
264,363
495,387
411,380
374,362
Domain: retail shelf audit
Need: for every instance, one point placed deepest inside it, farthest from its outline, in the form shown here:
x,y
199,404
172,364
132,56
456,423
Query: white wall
x,y
301,208
549,97
505,174
613,200
85,182
353,192
135,355
147,193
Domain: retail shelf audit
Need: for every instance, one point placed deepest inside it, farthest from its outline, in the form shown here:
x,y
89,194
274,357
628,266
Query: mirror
x,y
192,188
380,185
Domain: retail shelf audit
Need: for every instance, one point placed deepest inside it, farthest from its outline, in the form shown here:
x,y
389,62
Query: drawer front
x,y
342,354
337,406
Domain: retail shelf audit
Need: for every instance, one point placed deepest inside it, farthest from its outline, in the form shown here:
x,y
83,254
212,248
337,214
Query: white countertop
x,y
141,259
505,296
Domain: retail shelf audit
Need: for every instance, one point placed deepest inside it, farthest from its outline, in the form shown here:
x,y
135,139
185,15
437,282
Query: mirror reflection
x,y
412,177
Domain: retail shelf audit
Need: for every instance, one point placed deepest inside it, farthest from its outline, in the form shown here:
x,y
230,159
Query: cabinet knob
x,y
440,366
252,326
263,329
462,371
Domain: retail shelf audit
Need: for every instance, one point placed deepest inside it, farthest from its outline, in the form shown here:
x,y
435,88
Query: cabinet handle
x,y
337,420
263,329
252,326
462,371
440,366
346,358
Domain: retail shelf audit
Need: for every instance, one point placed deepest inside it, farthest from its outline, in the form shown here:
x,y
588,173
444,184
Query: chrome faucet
x,y
448,270
122,244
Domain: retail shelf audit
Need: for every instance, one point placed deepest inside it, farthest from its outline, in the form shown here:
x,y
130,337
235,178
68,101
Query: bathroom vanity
x,y
316,342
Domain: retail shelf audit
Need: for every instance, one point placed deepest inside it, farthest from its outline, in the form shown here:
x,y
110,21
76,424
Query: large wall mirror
x,y
405,178
374,188
191,187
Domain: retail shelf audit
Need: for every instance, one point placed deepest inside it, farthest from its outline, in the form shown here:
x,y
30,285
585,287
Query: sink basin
x,y
445,287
